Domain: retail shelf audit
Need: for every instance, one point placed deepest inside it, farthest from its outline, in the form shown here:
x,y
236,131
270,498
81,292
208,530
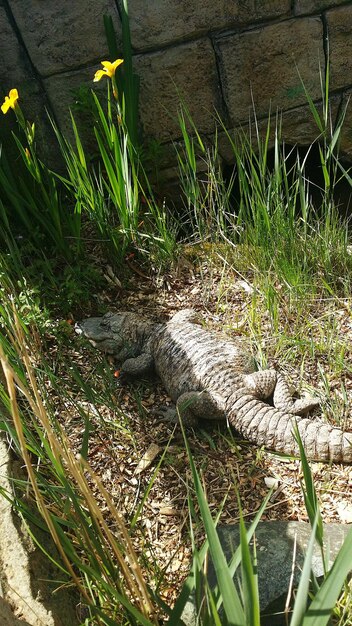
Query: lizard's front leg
x,y
139,366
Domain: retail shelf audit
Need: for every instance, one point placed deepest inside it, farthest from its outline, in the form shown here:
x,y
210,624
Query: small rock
x,y
275,546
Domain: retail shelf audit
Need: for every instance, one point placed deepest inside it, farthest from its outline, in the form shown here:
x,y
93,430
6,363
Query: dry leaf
x,y
168,510
150,400
270,482
276,493
148,458
245,286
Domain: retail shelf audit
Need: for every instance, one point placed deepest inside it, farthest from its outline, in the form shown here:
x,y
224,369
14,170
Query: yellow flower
x,y
109,69
10,101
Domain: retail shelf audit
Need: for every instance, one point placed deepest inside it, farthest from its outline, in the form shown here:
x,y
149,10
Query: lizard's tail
x,y
269,427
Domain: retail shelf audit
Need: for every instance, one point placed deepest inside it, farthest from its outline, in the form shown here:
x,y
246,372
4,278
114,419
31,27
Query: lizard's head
x,y
111,333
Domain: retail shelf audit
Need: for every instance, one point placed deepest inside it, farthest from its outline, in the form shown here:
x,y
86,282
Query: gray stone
x,y
7,617
346,132
263,63
275,548
340,45
302,7
63,91
187,71
275,542
63,35
189,613
12,56
190,19
24,571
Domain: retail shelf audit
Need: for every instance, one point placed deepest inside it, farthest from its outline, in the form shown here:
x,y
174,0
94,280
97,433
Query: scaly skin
x,y
209,378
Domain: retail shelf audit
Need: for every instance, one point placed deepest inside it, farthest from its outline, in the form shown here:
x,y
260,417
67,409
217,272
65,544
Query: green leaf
x,y
193,579
236,558
313,108
249,579
232,604
303,587
309,493
321,607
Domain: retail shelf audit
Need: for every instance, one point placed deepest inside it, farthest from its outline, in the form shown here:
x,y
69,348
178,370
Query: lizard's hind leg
x,y
284,401
261,383
192,406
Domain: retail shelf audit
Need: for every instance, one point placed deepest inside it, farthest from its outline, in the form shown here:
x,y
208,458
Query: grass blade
x,y
320,609
249,579
309,492
303,587
232,604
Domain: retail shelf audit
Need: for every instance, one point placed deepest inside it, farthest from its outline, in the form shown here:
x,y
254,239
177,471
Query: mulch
x,y
128,438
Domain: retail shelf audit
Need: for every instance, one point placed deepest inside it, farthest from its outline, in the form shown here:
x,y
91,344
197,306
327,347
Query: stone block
x,y
187,71
17,72
150,20
263,63
275,545
64,35
340,46
63,93
298,128
12,56
302,7
346,132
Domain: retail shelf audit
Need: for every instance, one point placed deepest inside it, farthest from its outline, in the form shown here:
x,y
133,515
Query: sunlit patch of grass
x,y
342,611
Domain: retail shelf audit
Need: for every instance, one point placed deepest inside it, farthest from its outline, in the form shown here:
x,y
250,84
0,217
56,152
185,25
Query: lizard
x,y
213,378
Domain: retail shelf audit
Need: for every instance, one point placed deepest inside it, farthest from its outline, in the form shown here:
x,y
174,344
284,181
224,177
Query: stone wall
x,y
215,54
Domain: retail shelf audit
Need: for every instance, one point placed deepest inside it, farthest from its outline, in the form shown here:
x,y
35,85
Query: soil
x,y
128,439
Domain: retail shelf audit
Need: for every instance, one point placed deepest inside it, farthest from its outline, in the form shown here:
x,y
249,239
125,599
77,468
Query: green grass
x,y
256,230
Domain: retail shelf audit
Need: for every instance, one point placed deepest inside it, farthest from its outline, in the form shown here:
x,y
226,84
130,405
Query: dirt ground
x,y
128,438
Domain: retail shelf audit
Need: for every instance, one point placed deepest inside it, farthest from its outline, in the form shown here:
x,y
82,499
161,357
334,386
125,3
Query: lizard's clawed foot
x,y
171,415
167,414
303,405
